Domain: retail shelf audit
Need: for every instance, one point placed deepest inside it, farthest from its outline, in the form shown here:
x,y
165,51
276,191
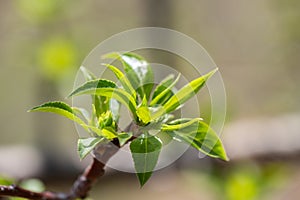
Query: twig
x,y
80,188
82,185
16,191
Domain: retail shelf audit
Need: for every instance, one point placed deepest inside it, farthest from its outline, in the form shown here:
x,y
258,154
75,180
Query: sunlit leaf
x,y
59,108
200,136
143,112
165,83
187,92
165,94
86,145
106,120
92,85
174,126
123,79
184,94
108,134
108,89
145,152
138,71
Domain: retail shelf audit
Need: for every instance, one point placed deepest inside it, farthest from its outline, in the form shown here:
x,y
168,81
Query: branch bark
x,y
80,188
84,182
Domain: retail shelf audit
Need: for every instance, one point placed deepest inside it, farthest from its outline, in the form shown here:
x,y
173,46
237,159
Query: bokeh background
x,y
256,45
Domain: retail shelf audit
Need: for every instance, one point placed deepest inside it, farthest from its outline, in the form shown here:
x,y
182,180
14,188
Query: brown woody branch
x,y
81,186
15,191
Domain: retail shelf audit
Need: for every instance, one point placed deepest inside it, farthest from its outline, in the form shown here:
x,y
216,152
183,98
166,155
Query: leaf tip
x,y
143,178
223,156
209,74
226,158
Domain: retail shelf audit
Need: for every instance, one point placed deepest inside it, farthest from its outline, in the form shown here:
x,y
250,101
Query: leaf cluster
x,y
150,106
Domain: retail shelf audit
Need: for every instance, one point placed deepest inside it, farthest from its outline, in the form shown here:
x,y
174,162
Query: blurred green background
x,y
256,45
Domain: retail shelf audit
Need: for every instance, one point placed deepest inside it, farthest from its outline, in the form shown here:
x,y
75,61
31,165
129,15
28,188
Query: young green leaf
x,y
59,108
106,133
124,137
165,83
199,135
184,94
138,71
187,92
123,79
178,126
108,89
92,85
165,94
143,112
145,152
86,145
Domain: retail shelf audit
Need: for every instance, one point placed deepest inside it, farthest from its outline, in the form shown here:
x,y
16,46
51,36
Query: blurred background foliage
x,y
256,45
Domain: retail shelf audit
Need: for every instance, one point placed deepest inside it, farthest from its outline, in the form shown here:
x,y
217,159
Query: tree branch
x,y
84,182
16,191
80,188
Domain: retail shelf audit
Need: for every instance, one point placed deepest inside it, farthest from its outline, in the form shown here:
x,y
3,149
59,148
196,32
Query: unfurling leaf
x,y
143,112
138,71
145,152
199,135
86,145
